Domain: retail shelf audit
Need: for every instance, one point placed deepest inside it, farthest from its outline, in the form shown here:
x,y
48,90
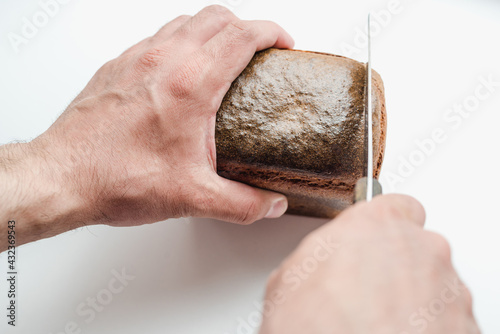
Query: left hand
x,y
137,145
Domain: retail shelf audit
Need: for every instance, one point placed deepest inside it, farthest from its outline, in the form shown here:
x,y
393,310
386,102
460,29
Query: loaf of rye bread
x,y
293,122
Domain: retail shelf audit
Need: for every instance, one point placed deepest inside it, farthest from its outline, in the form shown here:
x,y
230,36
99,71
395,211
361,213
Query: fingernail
x,y
277,209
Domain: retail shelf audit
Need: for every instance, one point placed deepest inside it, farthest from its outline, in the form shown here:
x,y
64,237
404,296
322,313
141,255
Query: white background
x,y
203,276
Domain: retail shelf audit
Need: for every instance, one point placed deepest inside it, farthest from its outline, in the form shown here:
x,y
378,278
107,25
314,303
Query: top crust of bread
x,y
293,122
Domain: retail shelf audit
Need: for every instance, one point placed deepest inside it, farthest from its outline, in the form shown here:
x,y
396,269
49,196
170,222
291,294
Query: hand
x,y
371,270
137,145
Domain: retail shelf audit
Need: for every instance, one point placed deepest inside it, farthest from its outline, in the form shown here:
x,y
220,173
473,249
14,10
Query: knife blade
x,y
368,186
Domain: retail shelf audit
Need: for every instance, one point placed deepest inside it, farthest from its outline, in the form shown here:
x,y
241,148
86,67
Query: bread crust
x,y
293,122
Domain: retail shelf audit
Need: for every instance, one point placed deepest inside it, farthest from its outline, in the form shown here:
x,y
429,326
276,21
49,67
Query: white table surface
x,y
205,276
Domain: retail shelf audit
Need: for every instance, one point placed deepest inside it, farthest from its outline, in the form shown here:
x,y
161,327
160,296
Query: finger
x,y
226,55
439,247
239,203
168,29
205,25
395,206
472,327
384,209
161,35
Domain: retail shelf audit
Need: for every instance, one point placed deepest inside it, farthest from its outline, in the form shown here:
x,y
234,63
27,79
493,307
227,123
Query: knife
x,y
368,187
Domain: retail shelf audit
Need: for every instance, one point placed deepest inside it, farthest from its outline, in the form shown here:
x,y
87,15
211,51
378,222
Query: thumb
x,y
239,203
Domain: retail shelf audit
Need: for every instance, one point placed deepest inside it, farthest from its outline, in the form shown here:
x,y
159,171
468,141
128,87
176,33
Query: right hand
x,y
371,270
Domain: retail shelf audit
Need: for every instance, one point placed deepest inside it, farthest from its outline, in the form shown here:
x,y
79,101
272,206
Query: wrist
x,y
35,194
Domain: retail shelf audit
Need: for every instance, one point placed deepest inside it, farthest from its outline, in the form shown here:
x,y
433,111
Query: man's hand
x,y
372,270
137,145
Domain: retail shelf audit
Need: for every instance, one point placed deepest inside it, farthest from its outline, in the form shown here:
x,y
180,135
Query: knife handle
x,y
360,189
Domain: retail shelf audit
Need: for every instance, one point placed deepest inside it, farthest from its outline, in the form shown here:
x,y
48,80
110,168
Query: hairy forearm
x,y
33,195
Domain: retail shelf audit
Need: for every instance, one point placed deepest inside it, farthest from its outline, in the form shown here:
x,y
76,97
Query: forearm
x,y
33,194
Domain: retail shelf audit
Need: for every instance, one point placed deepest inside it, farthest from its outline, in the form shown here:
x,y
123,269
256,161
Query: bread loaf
x,y
293,122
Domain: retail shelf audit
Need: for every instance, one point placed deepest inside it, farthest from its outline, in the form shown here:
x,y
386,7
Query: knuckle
x,y
242,30
389,212
217,11
183,81
151,59
398,208
137,47
177,24
440,246
417,207
182,17
109,66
